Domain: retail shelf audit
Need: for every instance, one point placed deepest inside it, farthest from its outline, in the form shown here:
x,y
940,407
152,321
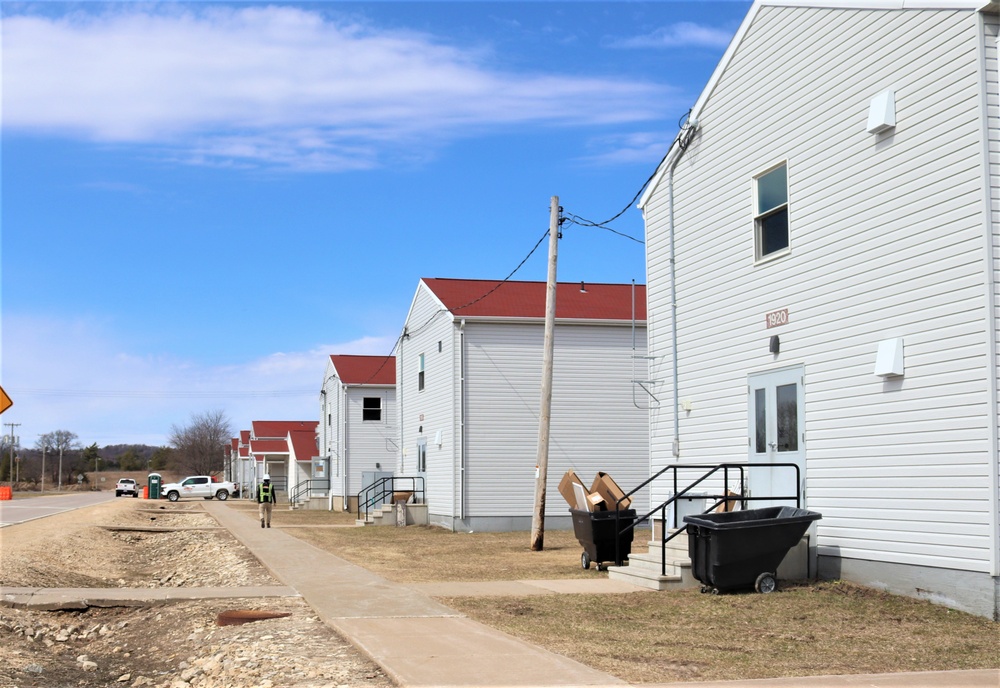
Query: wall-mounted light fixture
x,y
774,346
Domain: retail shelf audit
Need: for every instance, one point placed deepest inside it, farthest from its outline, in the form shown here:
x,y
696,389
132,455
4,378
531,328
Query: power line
x,y
680,140
408,333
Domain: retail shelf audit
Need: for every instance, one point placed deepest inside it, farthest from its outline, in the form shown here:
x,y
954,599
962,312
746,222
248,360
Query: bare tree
x,y
58,441
200,446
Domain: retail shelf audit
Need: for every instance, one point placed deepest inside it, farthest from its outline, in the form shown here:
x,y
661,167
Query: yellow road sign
x,y
5,402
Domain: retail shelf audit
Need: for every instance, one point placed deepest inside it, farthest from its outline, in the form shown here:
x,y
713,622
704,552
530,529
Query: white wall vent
x,y
889,360
882,112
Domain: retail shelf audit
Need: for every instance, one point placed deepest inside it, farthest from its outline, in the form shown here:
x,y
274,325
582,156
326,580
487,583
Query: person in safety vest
x,y
265,501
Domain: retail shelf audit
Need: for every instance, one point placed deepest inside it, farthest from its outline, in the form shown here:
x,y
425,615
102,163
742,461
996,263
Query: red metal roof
x,y
281,428
244,436
269,446
304,444
365,370
574,300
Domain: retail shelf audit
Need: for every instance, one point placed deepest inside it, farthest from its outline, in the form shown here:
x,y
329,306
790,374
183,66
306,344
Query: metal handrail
x,y
382,487
712,469
306,487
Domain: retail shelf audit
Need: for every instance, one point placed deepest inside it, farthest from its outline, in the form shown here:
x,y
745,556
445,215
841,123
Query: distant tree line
x,y
199,448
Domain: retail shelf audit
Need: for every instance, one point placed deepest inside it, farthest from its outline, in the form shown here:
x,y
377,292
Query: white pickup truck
x,y
204,486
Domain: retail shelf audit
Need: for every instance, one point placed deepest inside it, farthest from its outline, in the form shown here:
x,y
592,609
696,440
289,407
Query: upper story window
x,y
420,373
371,408
771,212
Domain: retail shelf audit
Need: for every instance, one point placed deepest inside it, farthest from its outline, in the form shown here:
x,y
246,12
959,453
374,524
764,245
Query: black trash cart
x,y
597,531
742,549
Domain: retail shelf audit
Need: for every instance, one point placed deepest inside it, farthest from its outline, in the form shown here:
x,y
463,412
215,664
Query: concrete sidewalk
x,y
420,642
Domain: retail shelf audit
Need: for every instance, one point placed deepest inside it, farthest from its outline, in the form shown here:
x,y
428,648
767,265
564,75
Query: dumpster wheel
x,y
585,560
766,582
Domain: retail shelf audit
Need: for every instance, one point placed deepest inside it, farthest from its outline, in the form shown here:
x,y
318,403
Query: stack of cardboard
x,y
603,494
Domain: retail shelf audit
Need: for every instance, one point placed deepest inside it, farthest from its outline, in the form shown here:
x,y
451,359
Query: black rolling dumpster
x,y
597,532
742,549
602,521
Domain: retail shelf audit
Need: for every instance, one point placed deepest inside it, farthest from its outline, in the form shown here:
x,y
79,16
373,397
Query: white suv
x,y
126,486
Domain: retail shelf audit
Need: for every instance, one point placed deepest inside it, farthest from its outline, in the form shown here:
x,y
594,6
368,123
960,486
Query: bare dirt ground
x,y
177,645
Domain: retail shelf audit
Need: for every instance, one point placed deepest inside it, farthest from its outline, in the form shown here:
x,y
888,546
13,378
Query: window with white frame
x,y
371,409
420,373
771,212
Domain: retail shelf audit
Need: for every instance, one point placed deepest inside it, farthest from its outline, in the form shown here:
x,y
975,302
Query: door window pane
x,y
760,421
787,400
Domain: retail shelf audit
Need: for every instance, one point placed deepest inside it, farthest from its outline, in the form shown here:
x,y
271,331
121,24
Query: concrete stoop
x,y
320,503
644,568
416,515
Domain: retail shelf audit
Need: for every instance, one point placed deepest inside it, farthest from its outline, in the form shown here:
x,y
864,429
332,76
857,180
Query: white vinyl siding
x,y
427,325
886,236
369,443
595,426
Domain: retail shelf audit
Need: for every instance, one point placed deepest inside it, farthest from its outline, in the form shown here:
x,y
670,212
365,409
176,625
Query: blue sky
x,y
203,201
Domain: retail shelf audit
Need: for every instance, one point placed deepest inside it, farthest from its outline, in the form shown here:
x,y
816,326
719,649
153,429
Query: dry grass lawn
x,y
646,637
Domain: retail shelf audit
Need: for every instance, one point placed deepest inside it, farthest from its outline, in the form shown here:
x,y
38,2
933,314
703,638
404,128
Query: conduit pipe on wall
x,y
683,139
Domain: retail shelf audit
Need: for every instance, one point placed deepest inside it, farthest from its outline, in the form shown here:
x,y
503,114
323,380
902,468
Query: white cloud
x,y
70,376
276,85
679,35
637,147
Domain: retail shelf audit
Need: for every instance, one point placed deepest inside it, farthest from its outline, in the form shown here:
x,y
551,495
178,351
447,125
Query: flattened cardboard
x,y
605,486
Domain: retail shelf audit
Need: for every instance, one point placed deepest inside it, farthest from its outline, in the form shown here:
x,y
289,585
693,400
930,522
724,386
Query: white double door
x,y
775,410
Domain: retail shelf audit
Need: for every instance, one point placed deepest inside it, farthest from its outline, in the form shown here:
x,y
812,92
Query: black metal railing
x,y
719,499
376,493
305,490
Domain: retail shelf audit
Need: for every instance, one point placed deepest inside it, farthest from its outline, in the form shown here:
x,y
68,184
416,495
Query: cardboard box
x,y
729,504
566,488
605,486
596,502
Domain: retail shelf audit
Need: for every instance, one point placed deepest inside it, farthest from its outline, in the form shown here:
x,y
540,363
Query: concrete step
x,y
645,569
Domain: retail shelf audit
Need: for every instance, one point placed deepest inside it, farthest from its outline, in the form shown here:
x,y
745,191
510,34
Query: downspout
x,y
461,416
400,375
683,139
342,440
991,305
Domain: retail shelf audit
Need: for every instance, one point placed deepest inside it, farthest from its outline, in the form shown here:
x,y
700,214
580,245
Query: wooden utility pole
x,y
10,466
545,408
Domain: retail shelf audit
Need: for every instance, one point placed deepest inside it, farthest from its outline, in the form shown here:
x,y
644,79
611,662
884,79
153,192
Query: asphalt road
x,y
14,511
